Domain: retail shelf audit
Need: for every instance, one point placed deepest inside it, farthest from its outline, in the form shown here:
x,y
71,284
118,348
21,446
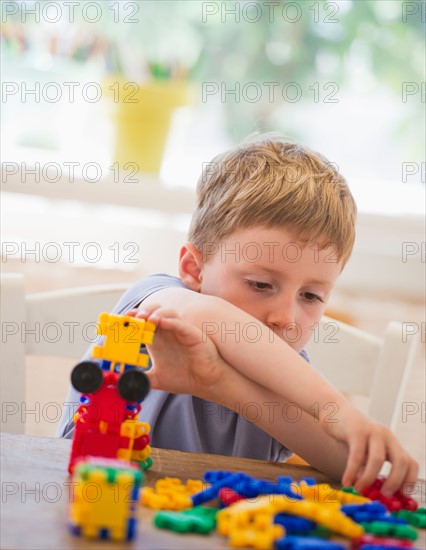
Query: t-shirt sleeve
x,y
136,294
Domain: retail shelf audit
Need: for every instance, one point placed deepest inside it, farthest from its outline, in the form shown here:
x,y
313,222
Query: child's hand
x,y
370,445
184,359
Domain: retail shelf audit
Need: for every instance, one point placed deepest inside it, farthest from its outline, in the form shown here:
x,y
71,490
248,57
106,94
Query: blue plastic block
x,y
294,524
365,517
213,476
75,529
285,480
270,488
104,533
306,543
367,511
309,480
131,528
231,480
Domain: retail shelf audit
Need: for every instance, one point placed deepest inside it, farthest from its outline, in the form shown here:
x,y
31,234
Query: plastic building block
x,y
382,528
106,422
280,488
294,525
196,520
368,539
229,496
329,516
170,494
416,518
105,496
243,484
309,480
350,490
124,336
260,537
306,543
365,512
326,494
221,480
394,503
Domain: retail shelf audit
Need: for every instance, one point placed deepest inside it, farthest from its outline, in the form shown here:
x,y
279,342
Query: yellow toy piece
x,y
325,494
260,532
105,492
133,429
242,514
171,494
124,336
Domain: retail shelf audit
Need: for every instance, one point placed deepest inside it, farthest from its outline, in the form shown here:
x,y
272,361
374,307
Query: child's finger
x,y
145,312
131,313
357,452
410,480
375,459
401,469
185,332
161,313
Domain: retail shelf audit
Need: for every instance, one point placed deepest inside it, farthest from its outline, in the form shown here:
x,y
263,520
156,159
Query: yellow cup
x,y
142,116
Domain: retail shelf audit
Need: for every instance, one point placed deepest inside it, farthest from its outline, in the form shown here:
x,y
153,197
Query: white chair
x,y
62,323
361,364
58,323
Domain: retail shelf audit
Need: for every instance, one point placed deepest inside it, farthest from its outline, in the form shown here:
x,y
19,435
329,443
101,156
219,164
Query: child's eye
x,y
258,286
311,297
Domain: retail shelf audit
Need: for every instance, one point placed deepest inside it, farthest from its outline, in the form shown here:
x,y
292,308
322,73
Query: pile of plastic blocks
x,y
286,515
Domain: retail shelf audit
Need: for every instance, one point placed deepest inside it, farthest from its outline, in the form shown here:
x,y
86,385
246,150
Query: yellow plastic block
x,y
325,494
244,512
261,539
141,455
100,504
171,494
134,429
123,338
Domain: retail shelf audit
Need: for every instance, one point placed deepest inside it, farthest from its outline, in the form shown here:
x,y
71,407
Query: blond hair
x,y
269,182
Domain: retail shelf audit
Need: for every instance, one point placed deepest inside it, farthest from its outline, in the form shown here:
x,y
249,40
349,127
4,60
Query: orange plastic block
x,y
123,338
171,494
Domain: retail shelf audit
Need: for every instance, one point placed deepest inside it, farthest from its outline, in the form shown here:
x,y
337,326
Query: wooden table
x,y
36,492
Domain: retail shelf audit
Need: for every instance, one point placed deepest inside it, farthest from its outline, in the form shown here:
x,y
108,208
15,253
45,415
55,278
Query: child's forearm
x,y
283,420
254,350
264,357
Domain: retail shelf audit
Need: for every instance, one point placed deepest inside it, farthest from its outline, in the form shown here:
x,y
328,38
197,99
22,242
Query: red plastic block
x,y
229,496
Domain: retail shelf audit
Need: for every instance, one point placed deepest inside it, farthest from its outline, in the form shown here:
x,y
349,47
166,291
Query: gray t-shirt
x,y
184,422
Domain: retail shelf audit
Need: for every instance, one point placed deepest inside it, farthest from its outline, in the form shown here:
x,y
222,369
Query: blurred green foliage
x,y
303,41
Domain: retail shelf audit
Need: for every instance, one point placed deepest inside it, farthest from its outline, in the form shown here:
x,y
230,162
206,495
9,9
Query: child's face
x,y
271,276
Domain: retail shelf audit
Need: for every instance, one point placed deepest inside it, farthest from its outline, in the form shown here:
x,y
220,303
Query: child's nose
x,y
282,318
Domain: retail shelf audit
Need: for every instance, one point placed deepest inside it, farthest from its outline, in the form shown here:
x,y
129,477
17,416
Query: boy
x,y
273,228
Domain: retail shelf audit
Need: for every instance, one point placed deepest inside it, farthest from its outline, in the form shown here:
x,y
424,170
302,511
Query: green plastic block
x,y
350,490
417,518
199,519
382,528
144,465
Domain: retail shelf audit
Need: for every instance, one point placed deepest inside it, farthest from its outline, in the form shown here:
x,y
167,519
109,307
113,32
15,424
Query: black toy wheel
x,y
133,386
87,377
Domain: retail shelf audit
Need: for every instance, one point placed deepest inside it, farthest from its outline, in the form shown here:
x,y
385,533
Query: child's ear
x,y
190,266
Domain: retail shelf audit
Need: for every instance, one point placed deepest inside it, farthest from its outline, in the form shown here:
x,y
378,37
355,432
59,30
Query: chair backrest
x,y
63,323
58,323
359,363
